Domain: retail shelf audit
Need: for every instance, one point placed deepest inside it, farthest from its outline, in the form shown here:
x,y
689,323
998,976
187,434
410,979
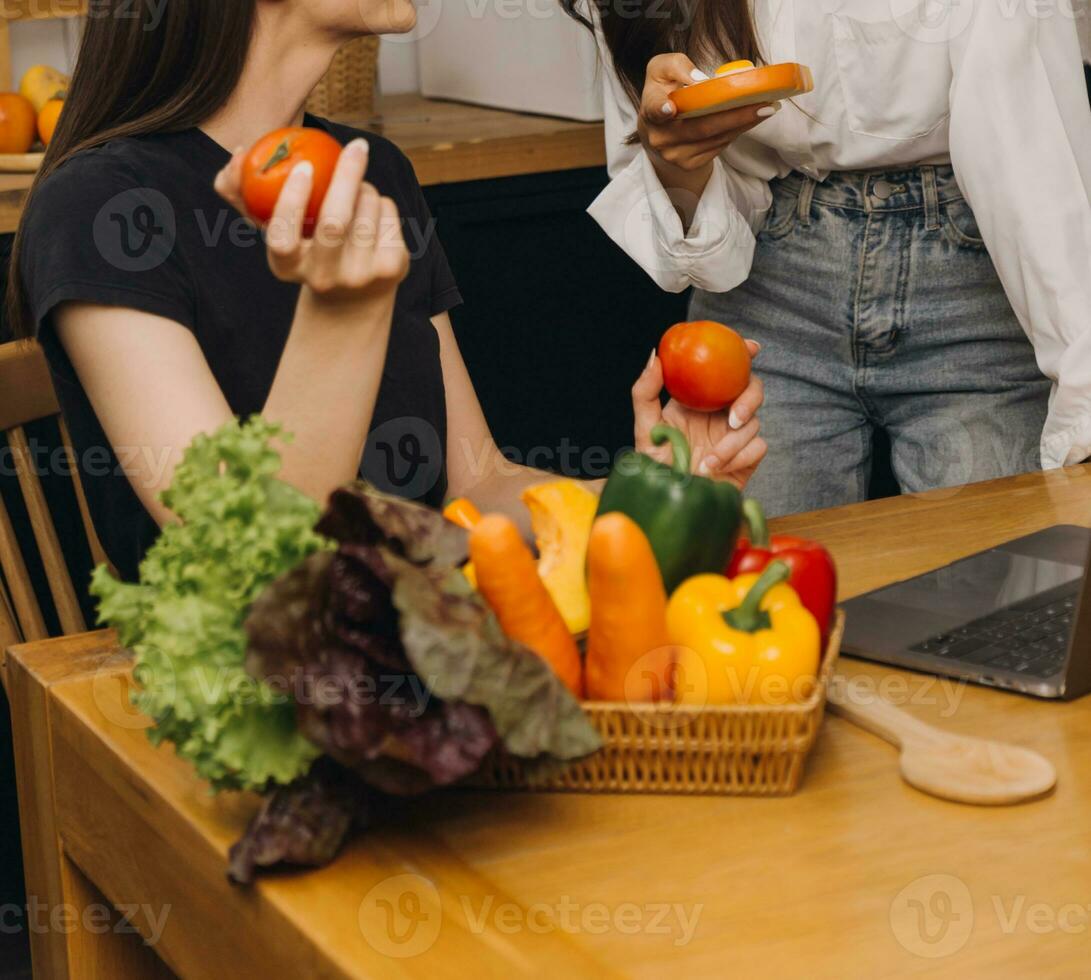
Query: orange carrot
x,y
507,577
462,512
629,657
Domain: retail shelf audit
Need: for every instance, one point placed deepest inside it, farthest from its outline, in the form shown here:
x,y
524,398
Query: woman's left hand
x,y
726,445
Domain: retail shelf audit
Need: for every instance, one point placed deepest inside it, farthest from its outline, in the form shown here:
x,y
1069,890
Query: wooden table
x,y
826,884
447,142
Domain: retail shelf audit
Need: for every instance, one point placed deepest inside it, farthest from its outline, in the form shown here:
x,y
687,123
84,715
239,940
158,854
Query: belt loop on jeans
x,y
806,197
931,198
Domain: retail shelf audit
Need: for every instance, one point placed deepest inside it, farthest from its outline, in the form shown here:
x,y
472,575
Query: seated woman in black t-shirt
x,y
164,312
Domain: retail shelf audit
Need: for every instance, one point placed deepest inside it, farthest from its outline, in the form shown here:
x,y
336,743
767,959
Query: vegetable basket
x,y
734,750
348,89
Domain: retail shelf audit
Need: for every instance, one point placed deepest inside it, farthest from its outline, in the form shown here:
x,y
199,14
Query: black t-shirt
x,y
137,224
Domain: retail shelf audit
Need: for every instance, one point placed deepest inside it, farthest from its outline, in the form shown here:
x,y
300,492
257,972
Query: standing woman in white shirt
x,y
911,242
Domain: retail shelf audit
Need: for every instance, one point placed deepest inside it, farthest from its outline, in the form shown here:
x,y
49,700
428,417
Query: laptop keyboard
x,y
1030,637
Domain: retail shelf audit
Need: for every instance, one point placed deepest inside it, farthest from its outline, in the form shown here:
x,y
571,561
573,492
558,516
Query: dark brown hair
x,y
637,30
134,77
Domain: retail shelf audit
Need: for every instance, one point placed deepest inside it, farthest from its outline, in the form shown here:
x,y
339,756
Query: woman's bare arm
x,y
153,390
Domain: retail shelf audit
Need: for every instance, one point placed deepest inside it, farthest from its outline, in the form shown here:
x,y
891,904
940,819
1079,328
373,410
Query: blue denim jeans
x,y
879,308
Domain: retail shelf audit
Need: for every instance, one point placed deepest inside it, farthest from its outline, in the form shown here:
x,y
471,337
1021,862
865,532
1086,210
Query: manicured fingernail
x,y
302,171
766,111
698,76
708,464
668,108
757,344
735,420
651,360
358,146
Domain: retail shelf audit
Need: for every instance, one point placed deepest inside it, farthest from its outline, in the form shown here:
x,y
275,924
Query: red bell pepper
x,y
814,574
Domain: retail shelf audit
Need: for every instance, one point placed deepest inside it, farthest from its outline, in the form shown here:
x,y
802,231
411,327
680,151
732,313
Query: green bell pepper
x,y
692,522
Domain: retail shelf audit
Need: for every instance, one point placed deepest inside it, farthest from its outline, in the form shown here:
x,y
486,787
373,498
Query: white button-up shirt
x,y
996,87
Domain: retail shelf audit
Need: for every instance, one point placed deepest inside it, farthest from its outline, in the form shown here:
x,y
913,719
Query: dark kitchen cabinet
x,y
557,321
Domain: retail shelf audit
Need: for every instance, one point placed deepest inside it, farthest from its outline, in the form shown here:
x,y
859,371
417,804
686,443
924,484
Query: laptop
x,y
1017,617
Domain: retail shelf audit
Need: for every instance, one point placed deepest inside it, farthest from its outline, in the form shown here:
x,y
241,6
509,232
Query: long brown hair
x,y
134,77
635,32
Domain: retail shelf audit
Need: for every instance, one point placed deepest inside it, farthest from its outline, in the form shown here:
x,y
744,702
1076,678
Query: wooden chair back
x,y
27,395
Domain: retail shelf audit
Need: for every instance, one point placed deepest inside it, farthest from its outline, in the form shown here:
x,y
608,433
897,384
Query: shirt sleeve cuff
x,y
639,216
1069,447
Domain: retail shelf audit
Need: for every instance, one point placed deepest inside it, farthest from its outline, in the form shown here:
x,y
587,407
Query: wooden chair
x,y
26,395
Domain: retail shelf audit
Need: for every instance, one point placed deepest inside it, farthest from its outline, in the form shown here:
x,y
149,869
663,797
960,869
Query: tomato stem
x,y
279,155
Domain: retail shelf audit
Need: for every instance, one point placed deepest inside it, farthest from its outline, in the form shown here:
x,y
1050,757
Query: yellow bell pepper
x,y
746,640
561,515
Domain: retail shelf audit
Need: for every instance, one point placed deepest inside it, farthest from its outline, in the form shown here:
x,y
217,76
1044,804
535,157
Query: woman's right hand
x,y
358,249
683,150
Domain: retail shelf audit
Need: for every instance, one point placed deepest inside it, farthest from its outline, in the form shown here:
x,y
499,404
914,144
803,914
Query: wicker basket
x,y
348,90
741,750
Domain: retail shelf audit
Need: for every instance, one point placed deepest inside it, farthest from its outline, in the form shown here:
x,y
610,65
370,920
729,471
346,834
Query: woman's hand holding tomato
x,y
325,227
726,444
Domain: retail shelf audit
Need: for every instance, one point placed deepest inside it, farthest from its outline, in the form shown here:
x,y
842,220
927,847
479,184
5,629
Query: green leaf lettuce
x,y
240,529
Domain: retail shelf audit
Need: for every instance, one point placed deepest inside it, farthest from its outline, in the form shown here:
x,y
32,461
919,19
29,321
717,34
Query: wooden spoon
x,y
953,767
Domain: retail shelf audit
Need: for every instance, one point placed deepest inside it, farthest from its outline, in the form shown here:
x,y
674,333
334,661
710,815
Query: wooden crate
x,y
15,10
348,90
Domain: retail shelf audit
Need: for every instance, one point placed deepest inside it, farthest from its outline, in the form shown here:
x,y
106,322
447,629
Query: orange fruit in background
x,y
18,123
47,119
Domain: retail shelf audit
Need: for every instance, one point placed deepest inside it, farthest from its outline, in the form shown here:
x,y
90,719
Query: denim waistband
x,y
912,188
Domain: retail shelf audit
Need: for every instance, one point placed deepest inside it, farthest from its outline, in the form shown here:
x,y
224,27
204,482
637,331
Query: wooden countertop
x,y
447,142
450,142
857,875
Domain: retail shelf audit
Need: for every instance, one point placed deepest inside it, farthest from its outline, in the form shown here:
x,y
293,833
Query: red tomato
x,y
273,158
706,365
18,123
